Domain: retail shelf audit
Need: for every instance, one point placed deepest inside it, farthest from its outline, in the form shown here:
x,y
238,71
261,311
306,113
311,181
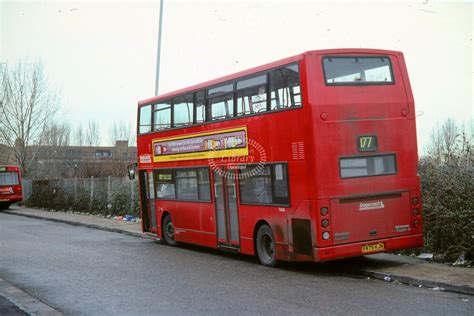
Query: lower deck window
x,y
367,166
266,186
183,184
165,184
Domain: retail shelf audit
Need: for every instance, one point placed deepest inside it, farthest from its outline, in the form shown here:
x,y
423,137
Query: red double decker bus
x,y
309,158
10,186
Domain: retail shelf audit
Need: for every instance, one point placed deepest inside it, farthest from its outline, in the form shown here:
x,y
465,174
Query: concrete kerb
x,y
93,226
368,273
463,289
25,302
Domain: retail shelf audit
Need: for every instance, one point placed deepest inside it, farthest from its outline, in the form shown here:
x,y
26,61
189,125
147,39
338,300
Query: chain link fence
x,y
102,196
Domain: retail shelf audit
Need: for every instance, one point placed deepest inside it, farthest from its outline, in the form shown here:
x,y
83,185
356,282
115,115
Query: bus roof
x,y
264,67
10,167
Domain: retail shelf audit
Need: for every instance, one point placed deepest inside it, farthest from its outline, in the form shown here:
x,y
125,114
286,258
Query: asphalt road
x,y
84,271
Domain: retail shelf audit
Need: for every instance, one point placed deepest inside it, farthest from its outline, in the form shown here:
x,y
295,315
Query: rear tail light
x,y
326,235
416,223
416,212
414,201
324,211
324,223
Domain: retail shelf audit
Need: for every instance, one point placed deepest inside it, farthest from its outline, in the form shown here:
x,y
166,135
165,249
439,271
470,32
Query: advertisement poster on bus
x,y
214,144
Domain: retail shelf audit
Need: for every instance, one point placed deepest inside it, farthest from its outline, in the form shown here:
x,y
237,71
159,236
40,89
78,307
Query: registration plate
x,y
4,200
373,247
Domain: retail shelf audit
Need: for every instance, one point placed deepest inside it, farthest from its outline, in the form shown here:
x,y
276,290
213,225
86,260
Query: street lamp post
x,y
160,26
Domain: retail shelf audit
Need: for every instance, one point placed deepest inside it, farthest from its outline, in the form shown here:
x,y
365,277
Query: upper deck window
x,y
183,110
254,98
200,107
162,117
252,82
271,90
221,89
221,102
145,119
222,107
285,89
356,70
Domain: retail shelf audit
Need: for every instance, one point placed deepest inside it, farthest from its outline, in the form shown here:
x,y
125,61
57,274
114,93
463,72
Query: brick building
x,y
75,161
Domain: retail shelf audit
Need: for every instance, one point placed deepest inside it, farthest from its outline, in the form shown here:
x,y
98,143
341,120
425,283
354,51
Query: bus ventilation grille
x,y
297,150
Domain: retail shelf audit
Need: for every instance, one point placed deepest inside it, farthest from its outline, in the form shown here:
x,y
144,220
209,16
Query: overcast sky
x,y
102,55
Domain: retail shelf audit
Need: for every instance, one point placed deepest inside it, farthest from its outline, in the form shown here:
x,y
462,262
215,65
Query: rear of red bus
x,y
10,186
365,153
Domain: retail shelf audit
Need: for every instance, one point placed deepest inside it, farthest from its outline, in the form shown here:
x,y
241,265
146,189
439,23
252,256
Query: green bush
x,y
75,195
447,185
447,195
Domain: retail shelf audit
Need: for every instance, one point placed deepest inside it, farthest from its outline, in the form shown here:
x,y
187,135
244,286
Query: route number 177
x,y
367,143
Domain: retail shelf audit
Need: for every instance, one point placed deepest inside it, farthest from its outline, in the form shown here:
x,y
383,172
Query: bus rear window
x,y
366,166
9,178
357,70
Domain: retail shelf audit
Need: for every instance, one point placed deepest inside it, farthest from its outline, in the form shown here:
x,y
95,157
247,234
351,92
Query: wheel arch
x,y
259,224
163,215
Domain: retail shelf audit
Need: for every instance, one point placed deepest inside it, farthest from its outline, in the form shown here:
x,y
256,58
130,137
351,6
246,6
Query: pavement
x,y
383,266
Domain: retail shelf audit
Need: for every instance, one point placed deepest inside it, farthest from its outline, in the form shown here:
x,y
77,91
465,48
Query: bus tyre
x,y
266,246
168,231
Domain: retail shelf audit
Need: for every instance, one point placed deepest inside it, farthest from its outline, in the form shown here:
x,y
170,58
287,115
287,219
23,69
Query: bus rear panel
x,y
10,186
366,154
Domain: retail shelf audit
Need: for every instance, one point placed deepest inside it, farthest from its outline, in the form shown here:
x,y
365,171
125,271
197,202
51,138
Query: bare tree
x,y
92,133
27,105
119,131
79,137
56,134
450,142
133,138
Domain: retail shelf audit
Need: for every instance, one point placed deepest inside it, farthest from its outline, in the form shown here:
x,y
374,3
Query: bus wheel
x,y
266,246
168,231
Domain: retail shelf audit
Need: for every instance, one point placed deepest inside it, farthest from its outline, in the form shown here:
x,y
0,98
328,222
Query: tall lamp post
x,y
160,26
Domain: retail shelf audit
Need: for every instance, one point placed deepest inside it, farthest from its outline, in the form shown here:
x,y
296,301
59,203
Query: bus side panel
x,y
289,142
194,222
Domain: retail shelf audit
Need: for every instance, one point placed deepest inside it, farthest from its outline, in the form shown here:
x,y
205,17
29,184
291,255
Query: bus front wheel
x,y
266,246
168,231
